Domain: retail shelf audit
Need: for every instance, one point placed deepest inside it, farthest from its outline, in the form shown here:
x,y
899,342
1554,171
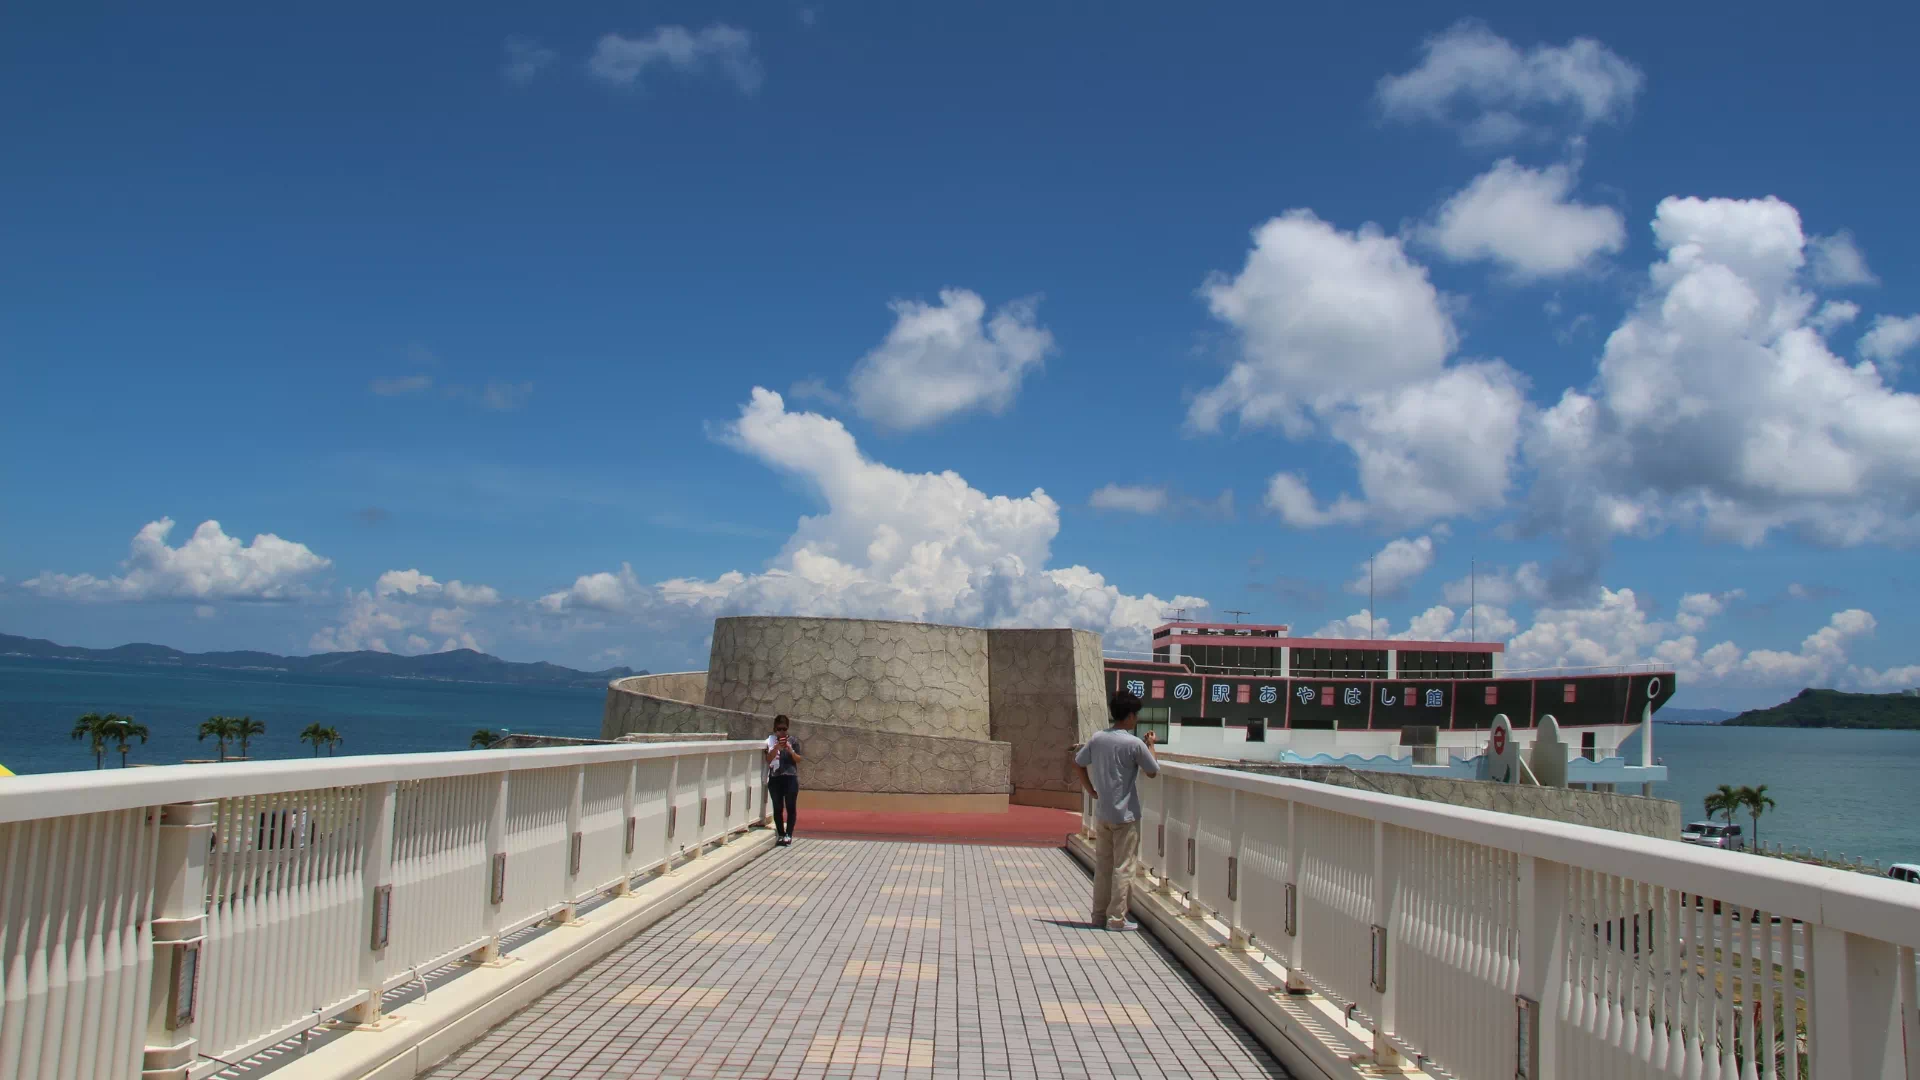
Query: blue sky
x,y
467,316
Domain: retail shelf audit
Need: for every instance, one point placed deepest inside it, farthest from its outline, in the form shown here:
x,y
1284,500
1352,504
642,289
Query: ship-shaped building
x,y
1253,692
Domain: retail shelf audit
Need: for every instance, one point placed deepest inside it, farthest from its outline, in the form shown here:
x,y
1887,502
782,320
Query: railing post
x,y
1194,908
179,928
1542,925
700,806
1386,898
1237,935
674,824
571,890
629,830
497,870
1910,1012
1296,942
376,910
1854,1027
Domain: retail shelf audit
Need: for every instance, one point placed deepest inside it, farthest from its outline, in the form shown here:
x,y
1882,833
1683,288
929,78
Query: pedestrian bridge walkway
x,y
616,911
848,958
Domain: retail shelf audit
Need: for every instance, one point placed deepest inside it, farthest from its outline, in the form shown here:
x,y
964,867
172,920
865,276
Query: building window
x,y
1159,688
1588,746
1568,691
1256,731
1493,695
1326,695
1244,694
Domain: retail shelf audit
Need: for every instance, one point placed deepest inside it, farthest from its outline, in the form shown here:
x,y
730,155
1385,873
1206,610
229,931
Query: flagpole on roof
x,y
1370,611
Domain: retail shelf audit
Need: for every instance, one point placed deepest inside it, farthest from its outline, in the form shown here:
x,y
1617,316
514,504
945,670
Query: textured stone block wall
x,y
839,757
906,678
1045,688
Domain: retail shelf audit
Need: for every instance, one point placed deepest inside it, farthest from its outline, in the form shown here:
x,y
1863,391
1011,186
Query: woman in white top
x,y
783,778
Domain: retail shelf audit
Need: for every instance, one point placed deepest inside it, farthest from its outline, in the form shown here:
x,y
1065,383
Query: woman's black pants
x,y
785,792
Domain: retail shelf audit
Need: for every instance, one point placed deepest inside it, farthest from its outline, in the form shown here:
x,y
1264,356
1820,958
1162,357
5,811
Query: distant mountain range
x,y
1835,708
459,665
1692,716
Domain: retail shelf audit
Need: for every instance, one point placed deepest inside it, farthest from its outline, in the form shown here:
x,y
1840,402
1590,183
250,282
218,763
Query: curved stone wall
x,y
900,677
840,757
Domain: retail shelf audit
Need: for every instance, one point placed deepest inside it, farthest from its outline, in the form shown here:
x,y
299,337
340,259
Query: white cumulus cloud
x,y
621,61
1343,333
1130,498
1838,262
407,611
210,565
940,360
1889,339
888,544
1494,92
1717,403
1397,565
1526,221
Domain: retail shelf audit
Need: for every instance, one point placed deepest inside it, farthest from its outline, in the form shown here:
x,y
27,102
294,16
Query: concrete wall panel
x,y
839,757
906,678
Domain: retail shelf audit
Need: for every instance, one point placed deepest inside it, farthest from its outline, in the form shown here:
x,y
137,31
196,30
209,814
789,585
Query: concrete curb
x,y
424,1033
1305,1032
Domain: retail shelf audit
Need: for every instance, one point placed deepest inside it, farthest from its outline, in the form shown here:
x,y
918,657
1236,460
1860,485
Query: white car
x,y
1712,834
1904,871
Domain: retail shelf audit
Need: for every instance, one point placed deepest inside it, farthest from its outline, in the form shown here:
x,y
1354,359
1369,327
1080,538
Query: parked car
x,y
1712,834
1904,871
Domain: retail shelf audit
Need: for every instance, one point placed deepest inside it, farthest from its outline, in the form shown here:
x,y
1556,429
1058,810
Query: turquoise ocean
x,y
1856,792
39,700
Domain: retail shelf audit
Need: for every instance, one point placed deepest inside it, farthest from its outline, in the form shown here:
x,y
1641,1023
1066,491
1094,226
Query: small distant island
x,y
458,665
1812,708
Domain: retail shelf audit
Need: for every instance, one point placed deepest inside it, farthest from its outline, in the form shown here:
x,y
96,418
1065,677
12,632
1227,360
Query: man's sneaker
x,y
1122,924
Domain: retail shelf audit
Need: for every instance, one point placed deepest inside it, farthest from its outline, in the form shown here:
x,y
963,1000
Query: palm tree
x,y
317,735
1724,801
1757,802
93,728
124,729
333,739
245,729
222,728
483,738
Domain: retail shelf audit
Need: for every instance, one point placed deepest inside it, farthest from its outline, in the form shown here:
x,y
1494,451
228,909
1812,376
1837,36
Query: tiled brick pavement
x,y
899,960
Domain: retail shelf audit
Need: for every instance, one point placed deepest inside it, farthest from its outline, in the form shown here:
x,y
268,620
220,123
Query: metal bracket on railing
x,y
1160,840
729,810
499,891
1293,922
573,854
183,983
703,811
633,827
382,916
1190,864
1526,1038
1379,959
1233,878
673,819
422,981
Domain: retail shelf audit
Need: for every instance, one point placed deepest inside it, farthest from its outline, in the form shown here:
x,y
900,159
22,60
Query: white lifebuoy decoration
x,y
1653,688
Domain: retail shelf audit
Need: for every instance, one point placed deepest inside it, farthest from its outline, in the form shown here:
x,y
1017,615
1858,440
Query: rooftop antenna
x,y
1236,613
1371,614
1473,600
1178,614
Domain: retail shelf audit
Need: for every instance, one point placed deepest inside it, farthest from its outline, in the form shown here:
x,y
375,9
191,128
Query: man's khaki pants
x,y
1113,853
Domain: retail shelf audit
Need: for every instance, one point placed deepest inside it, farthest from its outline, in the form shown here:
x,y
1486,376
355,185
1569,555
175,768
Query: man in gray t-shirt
x,y
1109,764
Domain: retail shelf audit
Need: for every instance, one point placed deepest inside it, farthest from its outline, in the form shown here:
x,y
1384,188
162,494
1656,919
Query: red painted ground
x,y
1026,826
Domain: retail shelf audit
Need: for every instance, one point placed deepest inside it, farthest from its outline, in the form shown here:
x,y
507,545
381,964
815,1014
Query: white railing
x,y
168,919
1484,946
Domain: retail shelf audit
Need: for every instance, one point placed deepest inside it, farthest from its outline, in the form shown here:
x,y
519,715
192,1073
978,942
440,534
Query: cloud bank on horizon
x,y
1717,405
